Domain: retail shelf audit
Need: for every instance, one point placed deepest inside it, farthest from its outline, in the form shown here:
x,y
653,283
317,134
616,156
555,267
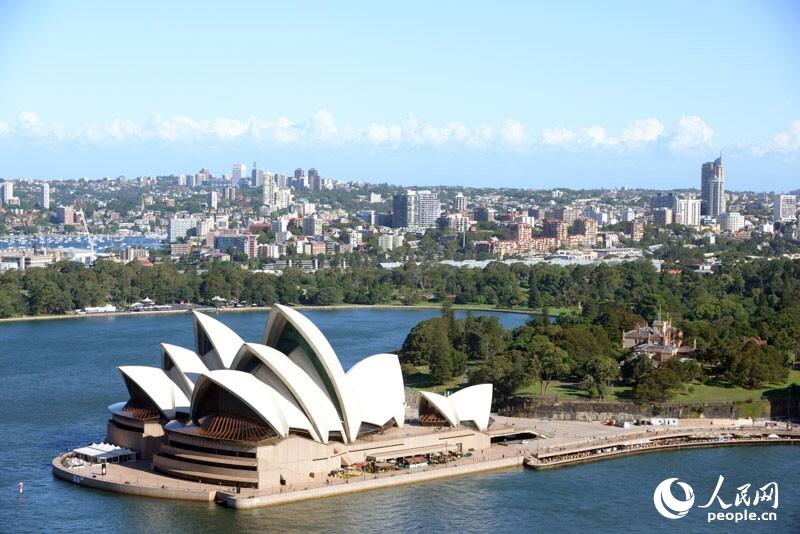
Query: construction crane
x,y
89,235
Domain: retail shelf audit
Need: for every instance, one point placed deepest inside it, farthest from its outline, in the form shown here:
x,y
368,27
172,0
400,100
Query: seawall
x,y
259,501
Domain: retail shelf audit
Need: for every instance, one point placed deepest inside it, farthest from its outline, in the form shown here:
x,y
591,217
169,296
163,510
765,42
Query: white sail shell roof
x,y
158,387
473,404
225,341
378,384
325,361
442,405
469,404
263,400
183,366
288,379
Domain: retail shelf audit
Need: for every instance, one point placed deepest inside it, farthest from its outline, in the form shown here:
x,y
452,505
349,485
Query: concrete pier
x,y
559,443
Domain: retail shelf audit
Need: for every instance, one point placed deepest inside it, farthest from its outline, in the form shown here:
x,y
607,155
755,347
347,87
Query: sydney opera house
x,y
283,411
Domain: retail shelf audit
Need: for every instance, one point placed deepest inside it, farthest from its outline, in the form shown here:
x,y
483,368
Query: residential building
x,y
635,228
65,215
566,214
483,214
731,221
784,208
712,188
687,211
247,243
6,192
556,229
179,227
662,216
312,225
45,200
460,202
415,208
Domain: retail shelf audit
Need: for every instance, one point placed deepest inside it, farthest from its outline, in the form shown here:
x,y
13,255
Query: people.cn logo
x,y
666,503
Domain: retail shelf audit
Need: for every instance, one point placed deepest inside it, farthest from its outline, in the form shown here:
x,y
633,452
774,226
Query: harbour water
x,y
58,377
101,242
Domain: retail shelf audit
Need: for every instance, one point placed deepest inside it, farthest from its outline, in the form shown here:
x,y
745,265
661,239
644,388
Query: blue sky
x,y
582,94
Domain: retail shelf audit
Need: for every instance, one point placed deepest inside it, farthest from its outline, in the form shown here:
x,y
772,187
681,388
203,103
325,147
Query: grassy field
x,y
692,393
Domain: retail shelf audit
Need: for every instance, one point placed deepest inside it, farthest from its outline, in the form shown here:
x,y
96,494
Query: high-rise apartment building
x,y
6,192
315,181
555,228
312,225
635,228
460,202
663,216
213,198
65,215
268,191
180,227
483,214
45,200
784,208
415,208
712,188
687,211
566,214
404,209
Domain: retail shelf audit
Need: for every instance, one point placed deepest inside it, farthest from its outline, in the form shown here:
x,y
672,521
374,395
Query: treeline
x,y
759,299
67,286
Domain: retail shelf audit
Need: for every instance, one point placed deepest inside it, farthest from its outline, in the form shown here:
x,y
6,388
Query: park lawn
x,y
571,391
699,393
705,392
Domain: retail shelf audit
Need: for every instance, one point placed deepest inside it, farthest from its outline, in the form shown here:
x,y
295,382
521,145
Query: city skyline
x,y
520,98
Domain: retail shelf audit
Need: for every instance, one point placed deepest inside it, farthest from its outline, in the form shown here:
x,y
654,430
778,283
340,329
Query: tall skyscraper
x,y
712,188
784,208
239,172
256,176
45,201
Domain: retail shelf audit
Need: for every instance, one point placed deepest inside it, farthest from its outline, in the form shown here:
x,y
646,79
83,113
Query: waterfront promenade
x,y
558,443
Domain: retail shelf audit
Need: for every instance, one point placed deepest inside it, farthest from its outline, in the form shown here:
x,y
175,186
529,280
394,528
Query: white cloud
x,y
558,136
788,141
513,133
322,129
692,132
642,131
588,137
